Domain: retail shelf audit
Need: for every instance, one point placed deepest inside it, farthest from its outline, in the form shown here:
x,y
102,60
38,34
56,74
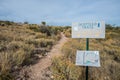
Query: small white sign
x,y
88,58
88,30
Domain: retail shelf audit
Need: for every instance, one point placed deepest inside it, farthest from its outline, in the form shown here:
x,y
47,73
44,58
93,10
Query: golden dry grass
x,y
109,49
18,44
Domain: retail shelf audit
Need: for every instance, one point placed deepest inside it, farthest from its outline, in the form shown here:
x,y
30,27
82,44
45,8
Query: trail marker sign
x,y
88,30
88,58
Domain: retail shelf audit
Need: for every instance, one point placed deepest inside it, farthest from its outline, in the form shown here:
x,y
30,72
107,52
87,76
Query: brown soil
x,y
38,70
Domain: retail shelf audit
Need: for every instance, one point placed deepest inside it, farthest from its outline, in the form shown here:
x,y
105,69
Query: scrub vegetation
x,y
19,43
64,67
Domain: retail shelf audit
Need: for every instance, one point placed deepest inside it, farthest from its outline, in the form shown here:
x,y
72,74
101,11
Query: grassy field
x,y
64,68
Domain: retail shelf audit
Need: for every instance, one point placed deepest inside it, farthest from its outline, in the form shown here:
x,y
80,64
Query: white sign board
x,y
88,30
88,58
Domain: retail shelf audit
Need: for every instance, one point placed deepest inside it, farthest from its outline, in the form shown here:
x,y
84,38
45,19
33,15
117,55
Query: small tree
x,y
43,23
25,22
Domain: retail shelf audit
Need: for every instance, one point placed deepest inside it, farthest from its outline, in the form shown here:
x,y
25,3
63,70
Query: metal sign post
x,y
87,48
88,30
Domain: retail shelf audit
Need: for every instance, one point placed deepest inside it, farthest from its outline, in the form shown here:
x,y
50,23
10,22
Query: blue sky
x,y
60,12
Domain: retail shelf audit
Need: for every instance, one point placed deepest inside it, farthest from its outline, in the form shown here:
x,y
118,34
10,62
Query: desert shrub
x,y
18,45
3,46
63,69
42,42
20,51
109,57
14,45
34,28
46,42
51,30
45,29
67,32
6,37
26,22
8,60
55,30
69,53
17,54
40,35
6,22
5,63
55,37
58,37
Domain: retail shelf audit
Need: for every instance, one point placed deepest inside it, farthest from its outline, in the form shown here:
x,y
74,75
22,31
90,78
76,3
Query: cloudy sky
x,y
60,12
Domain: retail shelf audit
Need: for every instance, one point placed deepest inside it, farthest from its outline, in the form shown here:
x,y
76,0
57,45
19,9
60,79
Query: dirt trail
x,y
37,70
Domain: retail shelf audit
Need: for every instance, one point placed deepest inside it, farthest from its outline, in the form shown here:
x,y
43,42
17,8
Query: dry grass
x,y
67,32
18,44
109,49
63,69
